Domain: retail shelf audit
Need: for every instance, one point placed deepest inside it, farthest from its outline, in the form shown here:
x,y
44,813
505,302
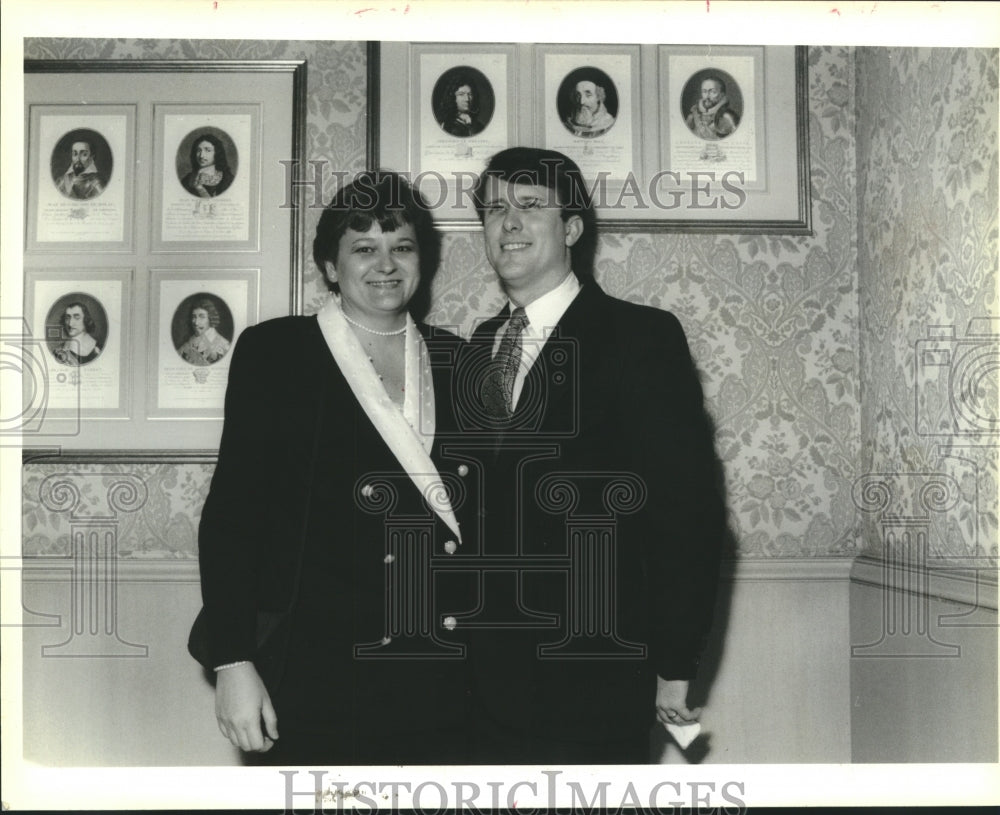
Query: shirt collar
x,y
546,311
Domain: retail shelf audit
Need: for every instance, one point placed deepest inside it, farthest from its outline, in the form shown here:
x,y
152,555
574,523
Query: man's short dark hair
x,y
385,198
557,172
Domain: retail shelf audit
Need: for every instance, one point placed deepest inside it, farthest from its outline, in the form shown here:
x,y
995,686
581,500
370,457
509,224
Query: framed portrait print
x,y
80,178
456,108
80,324
165,163
591,108
207,165
668,138
195,317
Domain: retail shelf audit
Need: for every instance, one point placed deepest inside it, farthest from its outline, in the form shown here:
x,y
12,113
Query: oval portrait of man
x,y
207,162
81,164
463,101
587,101
712,104
76,329
202,329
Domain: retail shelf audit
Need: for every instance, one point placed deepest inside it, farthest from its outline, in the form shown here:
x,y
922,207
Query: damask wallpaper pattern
x,y
927,157
773,321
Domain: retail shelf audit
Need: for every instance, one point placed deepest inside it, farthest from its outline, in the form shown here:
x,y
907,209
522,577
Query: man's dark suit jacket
x,y
286,526
614,399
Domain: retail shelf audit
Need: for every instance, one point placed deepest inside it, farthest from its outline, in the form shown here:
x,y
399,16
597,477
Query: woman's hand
x,y
241,703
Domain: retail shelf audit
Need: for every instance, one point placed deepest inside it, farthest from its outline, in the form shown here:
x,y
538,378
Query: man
x,y
602,428
711,117
461,109
80,347
80,181
206,345
590,118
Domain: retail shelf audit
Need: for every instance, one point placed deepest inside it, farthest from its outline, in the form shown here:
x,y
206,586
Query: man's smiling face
x,y
527,241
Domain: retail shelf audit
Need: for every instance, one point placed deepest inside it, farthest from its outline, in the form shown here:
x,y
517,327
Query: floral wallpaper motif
x,y
927,157
162,523
773,321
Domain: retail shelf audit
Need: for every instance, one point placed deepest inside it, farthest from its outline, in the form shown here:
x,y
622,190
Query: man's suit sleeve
x,y
672,436
231,519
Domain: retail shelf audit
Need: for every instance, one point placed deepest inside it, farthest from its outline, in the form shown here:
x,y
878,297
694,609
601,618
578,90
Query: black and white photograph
x,y
712,104
82,321
463,101
82,164
601,416
592,110
202,329
196,317
208,193
461,112
718,112
80,179
587,102
207,162
76,329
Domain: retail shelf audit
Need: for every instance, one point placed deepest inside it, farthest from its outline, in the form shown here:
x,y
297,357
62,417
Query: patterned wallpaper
x,y
927,266
772,321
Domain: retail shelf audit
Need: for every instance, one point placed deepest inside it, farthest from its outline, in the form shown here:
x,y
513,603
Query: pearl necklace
x,y
395,333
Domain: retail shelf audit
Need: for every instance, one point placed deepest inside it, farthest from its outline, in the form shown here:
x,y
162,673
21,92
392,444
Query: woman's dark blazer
x,y
296,456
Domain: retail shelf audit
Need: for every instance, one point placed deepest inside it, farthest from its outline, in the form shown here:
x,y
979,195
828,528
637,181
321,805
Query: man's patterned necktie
x,y
498,392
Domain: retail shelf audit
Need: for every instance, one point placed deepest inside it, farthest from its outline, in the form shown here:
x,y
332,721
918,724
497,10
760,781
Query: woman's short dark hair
x,y
220,151
385,198
558,172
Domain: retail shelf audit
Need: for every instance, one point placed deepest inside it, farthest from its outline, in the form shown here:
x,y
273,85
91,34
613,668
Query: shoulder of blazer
x,y
283,341
595,308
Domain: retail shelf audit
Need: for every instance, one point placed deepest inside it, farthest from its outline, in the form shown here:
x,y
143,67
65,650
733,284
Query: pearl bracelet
x,y
232,665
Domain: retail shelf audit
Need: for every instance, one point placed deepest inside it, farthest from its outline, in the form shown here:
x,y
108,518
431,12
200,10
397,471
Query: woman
x,y
210,174
206,345
317,509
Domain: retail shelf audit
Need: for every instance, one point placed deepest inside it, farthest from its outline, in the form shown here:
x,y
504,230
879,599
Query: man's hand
x,y
671,702
241,701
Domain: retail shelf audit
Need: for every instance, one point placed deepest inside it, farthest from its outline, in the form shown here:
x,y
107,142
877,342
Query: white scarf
x,y
409,433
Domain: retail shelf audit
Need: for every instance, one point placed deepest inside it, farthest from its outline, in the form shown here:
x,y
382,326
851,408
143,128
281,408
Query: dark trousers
x,y
303,749
494,742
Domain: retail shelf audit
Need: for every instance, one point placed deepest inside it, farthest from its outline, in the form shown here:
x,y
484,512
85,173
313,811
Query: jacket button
x,y
389,558
463,470
450,623
450,547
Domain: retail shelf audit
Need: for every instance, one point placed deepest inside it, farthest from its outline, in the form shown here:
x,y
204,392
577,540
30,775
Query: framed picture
x,y
168,164
80,178
457,109
591,108
206,169
668,138
83,337
195,317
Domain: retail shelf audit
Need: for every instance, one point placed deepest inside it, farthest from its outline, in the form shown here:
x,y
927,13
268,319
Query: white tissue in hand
x,y
684,734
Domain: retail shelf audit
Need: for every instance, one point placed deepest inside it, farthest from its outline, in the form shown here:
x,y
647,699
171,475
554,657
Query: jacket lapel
x,y
401,439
